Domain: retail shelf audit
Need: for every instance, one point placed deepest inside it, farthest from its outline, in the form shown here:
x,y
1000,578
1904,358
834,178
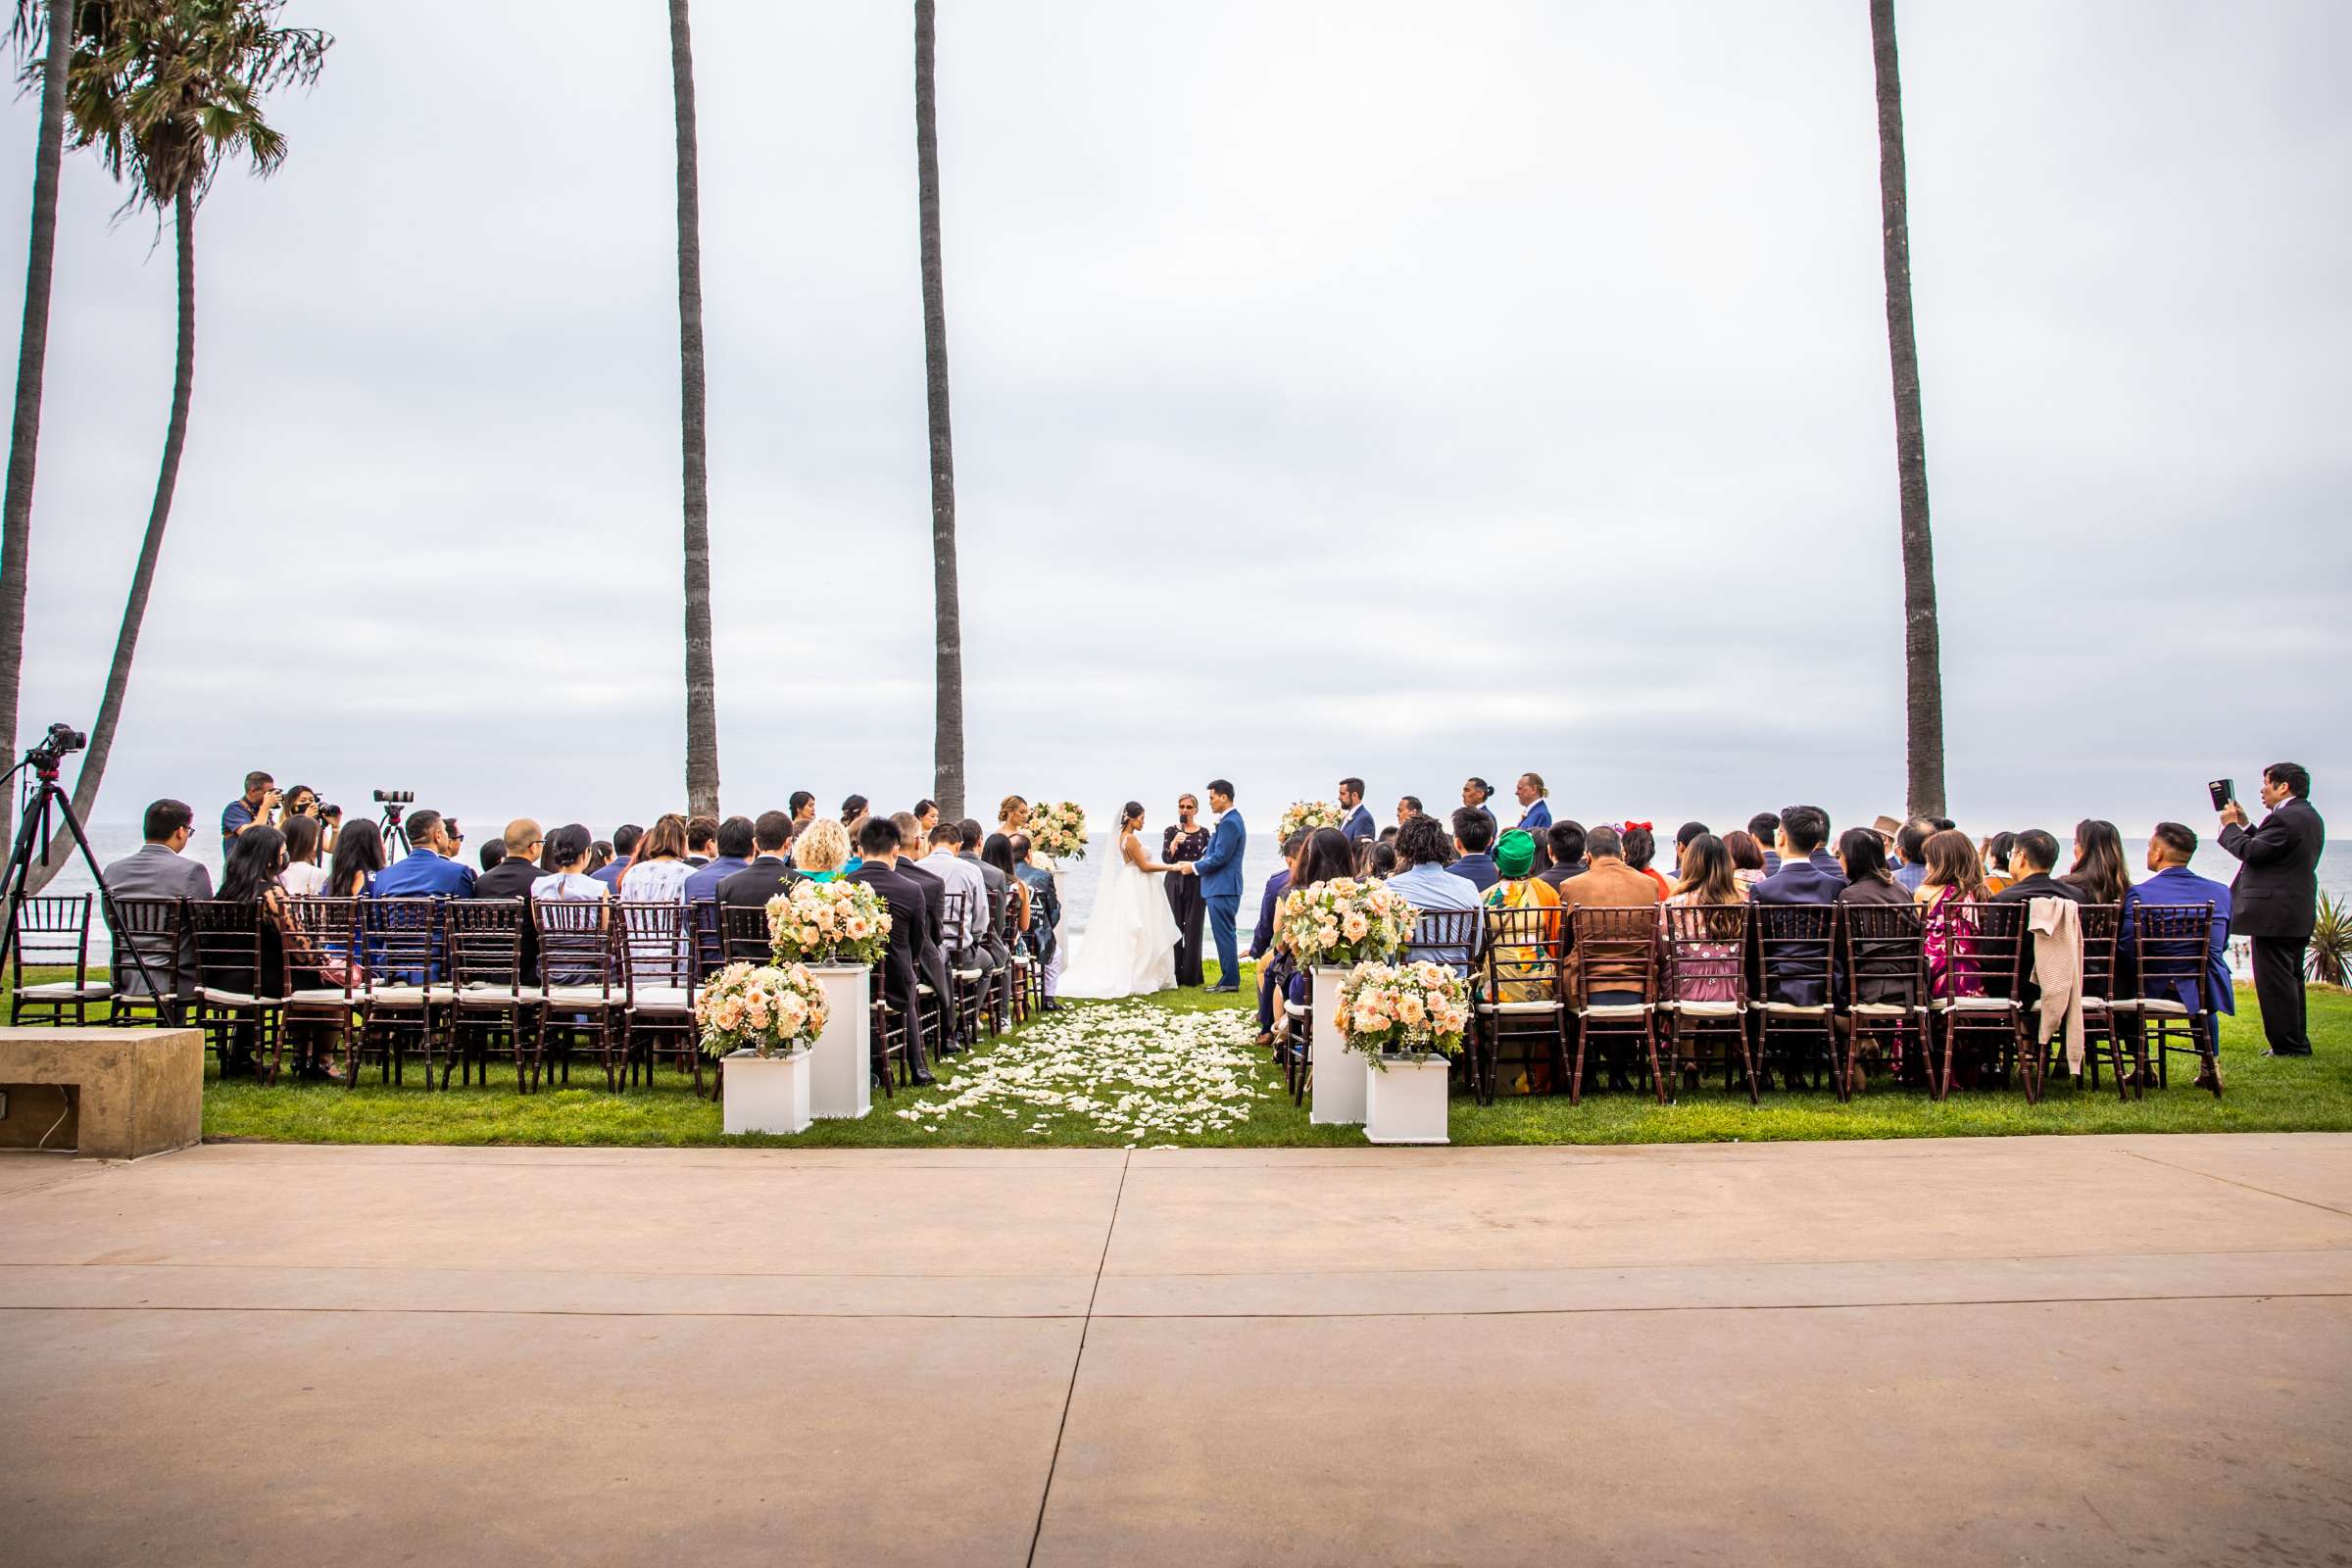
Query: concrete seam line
x,y
2232,1181
1070,1395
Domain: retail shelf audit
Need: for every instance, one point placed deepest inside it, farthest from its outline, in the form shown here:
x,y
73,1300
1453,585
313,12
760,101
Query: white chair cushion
x,y
579,996
1703,1009
1518,1008
1975,1004
232,999
2170,1009
663,998
969,974
408,996
1616,1010
2120,1005
1794,1009
1297,1010
483,993
66,991
1884,1010
323,997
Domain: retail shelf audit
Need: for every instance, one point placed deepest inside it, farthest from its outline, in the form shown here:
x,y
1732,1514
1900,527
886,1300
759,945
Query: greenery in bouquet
x,y
1056,830
1403,1009
828,923
1344,922
1304,817
761,1007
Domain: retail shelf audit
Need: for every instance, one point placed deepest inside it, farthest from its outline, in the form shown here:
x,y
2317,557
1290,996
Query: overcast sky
x,y
1376,388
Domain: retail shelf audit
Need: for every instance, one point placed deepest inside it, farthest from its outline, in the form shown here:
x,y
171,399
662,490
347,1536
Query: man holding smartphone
x,y
2275,898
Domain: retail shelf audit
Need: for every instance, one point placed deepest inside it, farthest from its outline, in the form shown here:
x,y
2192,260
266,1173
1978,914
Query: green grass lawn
x,y
1036,1062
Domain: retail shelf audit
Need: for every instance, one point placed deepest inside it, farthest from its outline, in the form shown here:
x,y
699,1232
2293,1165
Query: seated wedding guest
x,y
1000,892
1326,856
625,846
564,874
513,876
159,869
1408,806
1869,881
304,877
1363,856
2171,847
1765,828
657,869
1535,810
426,871
1358,824
1682,840
2099,870
701,840
1995,857
878,846
600,856
767,873
1748,856
2031,858
1821,857
1566,839
732,844
1708,970
1274,968
1045,929
931,954
256,861
1640,848
926,817
491,854
821,850
453,840
1801,878
1473,837
1911,853
1955,878
1382,861
359,856
968,890
997,851
1421,877
802,807
853,812
1607,883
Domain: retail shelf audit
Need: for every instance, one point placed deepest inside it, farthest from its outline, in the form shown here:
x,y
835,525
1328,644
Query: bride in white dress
x,y
1129,948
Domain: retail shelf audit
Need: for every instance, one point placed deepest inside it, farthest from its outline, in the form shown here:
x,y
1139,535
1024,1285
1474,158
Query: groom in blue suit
x,y
1221,874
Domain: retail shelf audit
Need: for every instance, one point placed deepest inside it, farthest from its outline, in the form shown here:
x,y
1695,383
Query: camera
x,y
396,797
54,747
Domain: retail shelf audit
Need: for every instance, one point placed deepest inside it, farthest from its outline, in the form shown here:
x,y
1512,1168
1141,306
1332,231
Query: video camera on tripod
x,y
41,797
395,804
61,741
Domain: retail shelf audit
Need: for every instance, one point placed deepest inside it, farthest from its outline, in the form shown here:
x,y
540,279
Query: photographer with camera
x,y
2275,899
258,803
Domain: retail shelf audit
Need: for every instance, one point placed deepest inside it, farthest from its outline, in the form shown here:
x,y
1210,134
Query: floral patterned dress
x,y
1950,944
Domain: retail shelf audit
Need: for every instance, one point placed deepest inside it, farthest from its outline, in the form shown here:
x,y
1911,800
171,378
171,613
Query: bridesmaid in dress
x,y
1184,841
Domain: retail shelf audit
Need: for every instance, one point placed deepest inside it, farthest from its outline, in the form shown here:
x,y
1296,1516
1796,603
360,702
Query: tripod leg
x,y
106,898
19,860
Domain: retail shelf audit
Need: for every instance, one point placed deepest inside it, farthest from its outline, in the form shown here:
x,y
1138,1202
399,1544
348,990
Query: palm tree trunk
x,y
1923,673
946,743
701,680
134,608
32,362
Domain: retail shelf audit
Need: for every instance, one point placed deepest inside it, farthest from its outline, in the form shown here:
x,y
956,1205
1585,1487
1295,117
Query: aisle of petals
x,y
1117,1070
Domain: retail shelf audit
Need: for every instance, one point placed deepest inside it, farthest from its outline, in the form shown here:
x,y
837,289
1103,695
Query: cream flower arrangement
x,y
1304,817
1403,1009
760,1007
1344,922
828,923
1056,830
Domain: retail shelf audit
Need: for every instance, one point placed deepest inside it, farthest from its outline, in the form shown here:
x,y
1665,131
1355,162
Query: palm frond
x,y
2328,958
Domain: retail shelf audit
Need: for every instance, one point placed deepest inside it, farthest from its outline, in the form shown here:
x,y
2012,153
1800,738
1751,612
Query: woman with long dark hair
x,y
1330,856
2099,870
1640,848
997,850
304,877
359,856
256,861
1955,878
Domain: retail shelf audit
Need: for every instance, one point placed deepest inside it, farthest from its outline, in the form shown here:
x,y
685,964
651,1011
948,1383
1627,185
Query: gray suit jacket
x,y
155,872
999,890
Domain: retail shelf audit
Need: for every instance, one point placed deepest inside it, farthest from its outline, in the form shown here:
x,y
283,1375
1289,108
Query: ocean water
x,y
1259,860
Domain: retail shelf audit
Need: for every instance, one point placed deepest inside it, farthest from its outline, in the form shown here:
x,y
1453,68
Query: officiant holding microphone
x,y
1184,842
2275,897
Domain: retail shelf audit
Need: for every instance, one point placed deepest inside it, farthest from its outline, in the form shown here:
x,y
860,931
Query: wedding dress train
x,y
1129,947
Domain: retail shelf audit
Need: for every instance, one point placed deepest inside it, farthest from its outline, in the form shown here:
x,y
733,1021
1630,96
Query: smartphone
x,y
2224,791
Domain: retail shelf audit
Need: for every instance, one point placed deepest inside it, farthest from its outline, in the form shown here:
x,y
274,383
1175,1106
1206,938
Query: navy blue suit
x,y
1359,825
1796,965
1221,874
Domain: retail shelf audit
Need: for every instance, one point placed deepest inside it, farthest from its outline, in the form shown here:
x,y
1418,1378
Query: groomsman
x,y
1359,825
1221,874
1535,811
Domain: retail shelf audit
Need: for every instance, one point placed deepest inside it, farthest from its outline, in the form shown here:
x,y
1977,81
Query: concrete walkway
x,y
2070,1350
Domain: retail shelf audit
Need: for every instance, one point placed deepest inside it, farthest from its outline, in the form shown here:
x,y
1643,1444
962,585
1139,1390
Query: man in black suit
x,y
513,876
931,959
2031,858
878,849
1567,843
2275,898
769,873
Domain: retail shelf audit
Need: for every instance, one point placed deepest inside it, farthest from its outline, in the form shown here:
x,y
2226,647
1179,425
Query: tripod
x,y
394,834
32,838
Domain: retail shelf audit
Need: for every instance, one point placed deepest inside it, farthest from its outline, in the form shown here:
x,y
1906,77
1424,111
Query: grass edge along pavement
x,y
2263,1096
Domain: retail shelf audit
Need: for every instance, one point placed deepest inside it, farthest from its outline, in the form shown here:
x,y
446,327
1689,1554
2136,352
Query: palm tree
x,y
166,90
947,744
1923,673
49,37
702,683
